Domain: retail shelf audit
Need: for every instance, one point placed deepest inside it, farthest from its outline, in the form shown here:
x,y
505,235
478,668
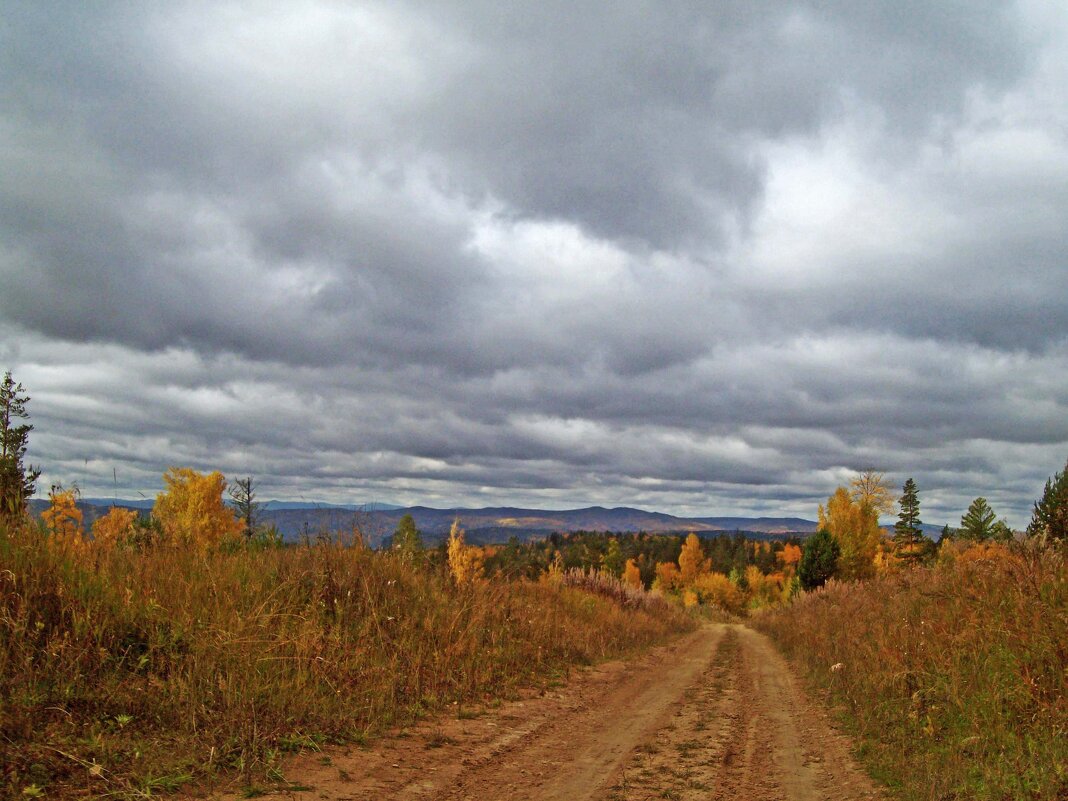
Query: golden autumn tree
x,y
870,487
63,518
191,511
668,577
465,561
855,527
764,590
114,527
692,561
632,575
790,555
718,590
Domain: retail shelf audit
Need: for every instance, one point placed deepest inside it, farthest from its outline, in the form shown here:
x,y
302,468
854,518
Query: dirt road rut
x,y
715,715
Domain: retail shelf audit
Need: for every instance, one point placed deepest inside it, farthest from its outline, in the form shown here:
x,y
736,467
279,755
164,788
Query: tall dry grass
x,y
127,672
954,677
605,584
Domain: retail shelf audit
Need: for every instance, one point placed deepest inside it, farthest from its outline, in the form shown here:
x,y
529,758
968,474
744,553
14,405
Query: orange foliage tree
x,y
63,517
668,577
632,575
114,527
855,527
790,555
191,511
718,590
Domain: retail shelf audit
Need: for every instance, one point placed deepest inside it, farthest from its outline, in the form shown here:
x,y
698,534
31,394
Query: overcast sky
x,y
704,258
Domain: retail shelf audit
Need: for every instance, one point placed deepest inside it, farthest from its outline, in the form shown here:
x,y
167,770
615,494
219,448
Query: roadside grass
x,y
954,677
129,673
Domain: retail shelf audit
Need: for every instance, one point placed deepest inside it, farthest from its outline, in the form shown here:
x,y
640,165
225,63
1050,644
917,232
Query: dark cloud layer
x,y
708,260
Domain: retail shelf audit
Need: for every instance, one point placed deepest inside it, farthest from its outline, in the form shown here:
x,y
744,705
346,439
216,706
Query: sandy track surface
x,y
717,714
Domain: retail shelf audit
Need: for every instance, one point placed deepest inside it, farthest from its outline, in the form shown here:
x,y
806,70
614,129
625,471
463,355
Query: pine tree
x,y
819,560
407,539
909,541
1050,516
1001,531
243,493
17,482
978,522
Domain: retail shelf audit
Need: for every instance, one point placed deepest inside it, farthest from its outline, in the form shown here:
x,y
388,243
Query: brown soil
x,y
717,714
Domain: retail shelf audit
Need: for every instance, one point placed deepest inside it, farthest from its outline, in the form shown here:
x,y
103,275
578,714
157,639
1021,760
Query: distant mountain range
x,y
378,521
267,506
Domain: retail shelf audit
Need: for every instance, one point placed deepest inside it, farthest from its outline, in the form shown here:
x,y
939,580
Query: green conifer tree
x,y
1050,516
17,482
819,560
407,539
978,522
910,543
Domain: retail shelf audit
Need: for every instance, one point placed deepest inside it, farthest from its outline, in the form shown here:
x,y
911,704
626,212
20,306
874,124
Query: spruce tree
x,y
407,539
1050,516
908,534
978,522
819,560
1001,531
17,482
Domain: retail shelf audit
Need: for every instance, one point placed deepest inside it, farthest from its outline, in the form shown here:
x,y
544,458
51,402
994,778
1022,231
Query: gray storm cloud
x,y
698,259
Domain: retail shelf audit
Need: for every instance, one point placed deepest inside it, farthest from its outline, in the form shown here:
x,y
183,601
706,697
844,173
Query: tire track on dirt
x,y
766,742
585,748
715,715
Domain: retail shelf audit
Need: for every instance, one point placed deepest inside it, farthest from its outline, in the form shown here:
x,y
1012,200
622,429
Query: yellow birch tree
x,y
465,561
692,562
855,527
191,511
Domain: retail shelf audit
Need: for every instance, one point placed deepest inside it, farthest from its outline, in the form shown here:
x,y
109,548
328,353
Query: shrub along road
x,y
716,714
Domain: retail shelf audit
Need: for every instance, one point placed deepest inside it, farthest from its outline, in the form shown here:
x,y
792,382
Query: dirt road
x,y
715,715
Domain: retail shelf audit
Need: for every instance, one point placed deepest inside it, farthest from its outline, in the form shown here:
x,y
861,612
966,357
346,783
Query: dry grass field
x,y
954,677
127,672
